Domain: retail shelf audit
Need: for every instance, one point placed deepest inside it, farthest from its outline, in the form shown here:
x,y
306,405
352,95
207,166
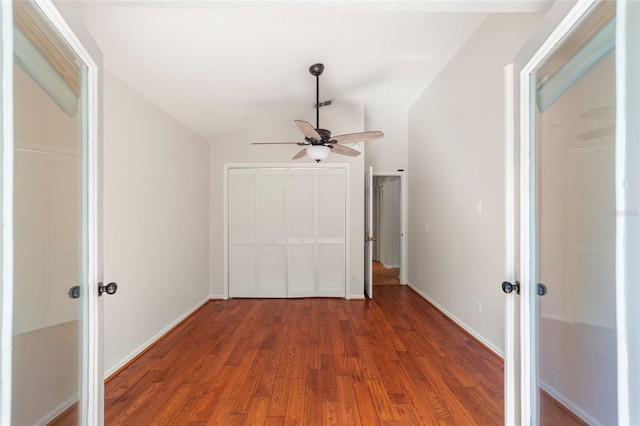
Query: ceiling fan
x,y
318,142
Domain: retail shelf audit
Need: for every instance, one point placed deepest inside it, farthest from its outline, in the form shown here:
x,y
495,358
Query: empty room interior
x,y
323,212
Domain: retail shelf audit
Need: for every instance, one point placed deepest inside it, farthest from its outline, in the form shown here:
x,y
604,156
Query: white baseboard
x,y
390,266
357,297
151,341
57,411
216,297
457,320
573,407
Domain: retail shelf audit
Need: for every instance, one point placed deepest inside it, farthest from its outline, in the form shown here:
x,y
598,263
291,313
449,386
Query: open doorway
x,y
388,211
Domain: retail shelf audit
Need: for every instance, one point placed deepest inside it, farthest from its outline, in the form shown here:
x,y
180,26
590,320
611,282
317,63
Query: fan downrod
x,y
316,69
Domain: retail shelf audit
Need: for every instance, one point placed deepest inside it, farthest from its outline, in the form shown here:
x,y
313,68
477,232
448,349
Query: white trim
x,y
358,297
216,297
404,220
570,405
46,149
509,246
6,91
369,232
461,323
57,411
159,335
528,377
555,318
390,266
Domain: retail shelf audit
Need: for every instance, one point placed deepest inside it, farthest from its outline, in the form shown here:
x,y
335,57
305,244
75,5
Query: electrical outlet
x,y
479,308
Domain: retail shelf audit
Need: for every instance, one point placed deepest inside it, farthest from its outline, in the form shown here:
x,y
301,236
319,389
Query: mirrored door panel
x,y
49,229
575,228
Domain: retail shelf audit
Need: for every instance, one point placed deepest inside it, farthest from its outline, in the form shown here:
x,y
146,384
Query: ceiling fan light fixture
x,y
318,152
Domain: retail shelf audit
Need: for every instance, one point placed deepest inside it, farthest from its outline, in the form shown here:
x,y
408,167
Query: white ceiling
x,y
226,67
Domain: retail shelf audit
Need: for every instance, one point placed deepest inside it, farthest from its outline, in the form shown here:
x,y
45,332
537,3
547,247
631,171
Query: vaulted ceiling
x,y
225,67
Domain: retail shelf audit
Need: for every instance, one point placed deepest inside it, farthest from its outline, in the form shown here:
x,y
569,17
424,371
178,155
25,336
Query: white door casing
x,y
627,184
368,232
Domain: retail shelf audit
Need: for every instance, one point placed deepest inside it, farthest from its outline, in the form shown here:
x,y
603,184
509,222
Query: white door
x,y
50,258
575,231
272,233
302,247
243,233
368,234
331,233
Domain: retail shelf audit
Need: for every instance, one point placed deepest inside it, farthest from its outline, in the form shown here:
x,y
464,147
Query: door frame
x,y
404,220
71,29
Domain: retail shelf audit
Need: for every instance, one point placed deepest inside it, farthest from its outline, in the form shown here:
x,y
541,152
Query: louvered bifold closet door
x,y
272,233
331,232
302,233
243,232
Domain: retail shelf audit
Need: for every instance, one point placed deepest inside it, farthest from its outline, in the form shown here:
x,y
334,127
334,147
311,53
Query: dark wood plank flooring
x,y
395,360
384,276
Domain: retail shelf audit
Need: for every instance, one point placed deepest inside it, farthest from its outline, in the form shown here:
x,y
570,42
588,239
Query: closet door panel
x,y
331,204
272,232
302,204
272,266
331,233
302,270
242,270
331,270
243,223
302,233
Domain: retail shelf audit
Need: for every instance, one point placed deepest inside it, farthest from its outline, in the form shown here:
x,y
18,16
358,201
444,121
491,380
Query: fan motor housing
x,y
325,135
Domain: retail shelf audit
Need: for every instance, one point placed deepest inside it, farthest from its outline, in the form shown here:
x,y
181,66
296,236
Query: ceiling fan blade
x,y
344,150
279,143
308,130
598,133
605,112
300,154
357,137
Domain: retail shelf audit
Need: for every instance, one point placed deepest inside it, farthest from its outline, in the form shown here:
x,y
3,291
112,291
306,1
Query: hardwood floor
x,y
395,360
384,276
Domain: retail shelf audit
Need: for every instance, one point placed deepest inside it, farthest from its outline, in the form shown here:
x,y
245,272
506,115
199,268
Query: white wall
x,y
389,153
456,159
238,149
156,206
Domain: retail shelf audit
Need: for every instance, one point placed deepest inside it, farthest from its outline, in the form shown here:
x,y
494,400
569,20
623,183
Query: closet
x,y
286,229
